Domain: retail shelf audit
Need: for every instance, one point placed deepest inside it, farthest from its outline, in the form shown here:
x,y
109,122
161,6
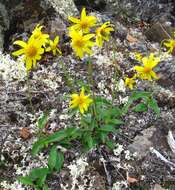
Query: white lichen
x,y
77,169
11,70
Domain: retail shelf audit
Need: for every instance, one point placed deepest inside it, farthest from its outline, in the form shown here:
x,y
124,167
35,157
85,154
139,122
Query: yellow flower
x,y
146,71
130,82
53,46
103,32
170,44
81,101
31,50
81,43
84,23
138,56
38,35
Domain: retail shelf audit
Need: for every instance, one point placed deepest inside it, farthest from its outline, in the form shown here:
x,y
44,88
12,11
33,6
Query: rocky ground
x,y
144,158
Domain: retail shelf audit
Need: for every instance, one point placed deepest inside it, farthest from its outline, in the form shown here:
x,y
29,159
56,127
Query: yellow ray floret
x,y
130,82
146,71
81,43
170,44
84,23
38,35
103,33
53,46
31,50
138,56
80,101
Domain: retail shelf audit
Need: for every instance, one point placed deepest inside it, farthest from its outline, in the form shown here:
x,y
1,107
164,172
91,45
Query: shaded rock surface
x,y
18,16
146,10
142,143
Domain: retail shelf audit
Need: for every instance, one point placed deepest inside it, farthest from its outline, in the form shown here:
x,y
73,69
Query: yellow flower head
x,y
170,44
84,23
146,71
38,35
130,82
31,50
81,43
81,101
53,46
138,56
103,32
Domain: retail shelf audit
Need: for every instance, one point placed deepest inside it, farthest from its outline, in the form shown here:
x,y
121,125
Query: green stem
x,y
67,77
91,83
29,94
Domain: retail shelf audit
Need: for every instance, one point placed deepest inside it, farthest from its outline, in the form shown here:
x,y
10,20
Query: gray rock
x,y
4,23
18,16
142,143
64,8
147,10
159,32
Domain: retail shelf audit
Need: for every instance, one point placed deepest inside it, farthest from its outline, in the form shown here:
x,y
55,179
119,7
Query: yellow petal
x,y
59,51
82,91
19,52
145,61
54,52
138,68
153,74
88,36
83,14
74,20
56,40
74,96
28,64
48,49
20,43
81,109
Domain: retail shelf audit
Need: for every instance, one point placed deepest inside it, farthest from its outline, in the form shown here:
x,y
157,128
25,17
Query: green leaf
x,y
116,122
152,103
58,136
52,158
135,96
45,187
40,182
107,128
102,136
100,101
139,94
26,180
140,108
55,137
42,121
59,161
110,144
39,175
38,172
88,140
37,188
38,145
115,112
56,159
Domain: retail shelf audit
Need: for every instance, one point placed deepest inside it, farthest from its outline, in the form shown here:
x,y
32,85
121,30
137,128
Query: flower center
x,y
84,24
102,32
80,101
147,69
79,43
31,51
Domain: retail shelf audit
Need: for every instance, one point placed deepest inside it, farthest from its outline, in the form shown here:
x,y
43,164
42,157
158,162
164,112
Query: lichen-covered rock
x,y
18,16
147,10
64,8
4,23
